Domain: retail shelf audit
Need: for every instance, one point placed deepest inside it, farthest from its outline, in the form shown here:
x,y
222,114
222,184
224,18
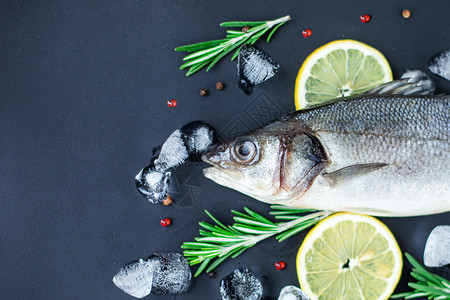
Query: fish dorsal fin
x,y
348,173
412,82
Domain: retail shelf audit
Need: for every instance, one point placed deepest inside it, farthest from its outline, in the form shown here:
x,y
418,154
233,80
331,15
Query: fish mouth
x,y
217,157
223,173
233,179
225,177
205,158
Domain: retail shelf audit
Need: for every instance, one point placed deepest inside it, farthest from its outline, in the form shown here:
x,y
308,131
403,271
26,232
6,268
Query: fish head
x,y
271,165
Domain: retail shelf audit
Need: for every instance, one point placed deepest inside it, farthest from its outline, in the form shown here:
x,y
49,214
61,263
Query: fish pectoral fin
x,y
348,173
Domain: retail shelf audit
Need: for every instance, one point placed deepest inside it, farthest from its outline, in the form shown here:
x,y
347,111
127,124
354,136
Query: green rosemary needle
x,y
210,52
428,285
219,242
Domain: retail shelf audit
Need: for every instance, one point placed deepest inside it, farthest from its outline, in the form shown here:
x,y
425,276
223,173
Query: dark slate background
x,y
83,91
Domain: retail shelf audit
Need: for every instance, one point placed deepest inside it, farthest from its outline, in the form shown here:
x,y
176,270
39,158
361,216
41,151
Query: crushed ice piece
x,y
254,67
241,284
153,184
161,273
437,252
171,273
291,292
198,137
136,278
173,152
440,64
190,142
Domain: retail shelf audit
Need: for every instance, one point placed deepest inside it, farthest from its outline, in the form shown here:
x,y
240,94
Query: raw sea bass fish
x,y
383,155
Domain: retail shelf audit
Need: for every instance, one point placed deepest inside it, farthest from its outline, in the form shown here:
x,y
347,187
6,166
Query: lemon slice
x,y
349,256
339,69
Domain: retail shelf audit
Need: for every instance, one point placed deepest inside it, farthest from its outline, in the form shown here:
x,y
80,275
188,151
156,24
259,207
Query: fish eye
x,y
244,152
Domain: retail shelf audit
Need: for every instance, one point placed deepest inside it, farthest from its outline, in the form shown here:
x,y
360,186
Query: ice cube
x,y
291,292
440,64
171,274
198,137
437,248
241,284
173,152
254,67
136,278
153,184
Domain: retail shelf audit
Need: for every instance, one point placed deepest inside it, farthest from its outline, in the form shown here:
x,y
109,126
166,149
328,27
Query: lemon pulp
x,y
349,256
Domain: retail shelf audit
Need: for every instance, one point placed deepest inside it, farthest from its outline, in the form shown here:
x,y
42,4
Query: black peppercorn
x,y
211,274
245,29
219,86
203,92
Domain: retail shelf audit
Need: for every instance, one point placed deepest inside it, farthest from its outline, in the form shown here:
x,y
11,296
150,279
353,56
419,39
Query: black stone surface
x,y
83,91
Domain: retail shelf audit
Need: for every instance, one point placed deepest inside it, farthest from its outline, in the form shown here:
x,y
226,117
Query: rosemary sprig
x,y
210,52
219,242
428,284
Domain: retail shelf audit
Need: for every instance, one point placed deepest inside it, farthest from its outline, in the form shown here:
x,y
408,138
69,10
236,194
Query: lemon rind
x,y
346,44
